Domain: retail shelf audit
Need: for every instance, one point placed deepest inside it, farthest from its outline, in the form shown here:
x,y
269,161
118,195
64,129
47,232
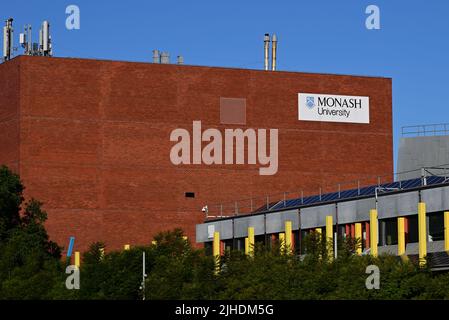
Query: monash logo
x,y
310,102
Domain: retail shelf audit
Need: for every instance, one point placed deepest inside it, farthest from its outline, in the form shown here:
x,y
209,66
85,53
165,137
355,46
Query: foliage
x,y
31,266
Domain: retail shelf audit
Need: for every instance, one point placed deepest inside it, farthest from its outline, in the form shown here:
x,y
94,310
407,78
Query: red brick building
x,y
91,139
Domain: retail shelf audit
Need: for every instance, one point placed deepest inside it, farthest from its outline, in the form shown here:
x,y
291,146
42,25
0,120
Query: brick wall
x,y
94,141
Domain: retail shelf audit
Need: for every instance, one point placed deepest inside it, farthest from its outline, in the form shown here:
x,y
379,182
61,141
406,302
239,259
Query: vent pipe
x,y
180,60
266,44
156,56
165,57
273,52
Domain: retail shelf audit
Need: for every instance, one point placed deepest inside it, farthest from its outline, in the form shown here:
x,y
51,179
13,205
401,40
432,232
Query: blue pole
x,y
70,249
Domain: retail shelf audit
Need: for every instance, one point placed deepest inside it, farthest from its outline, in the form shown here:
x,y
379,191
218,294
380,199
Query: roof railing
x,y
346,190
424,130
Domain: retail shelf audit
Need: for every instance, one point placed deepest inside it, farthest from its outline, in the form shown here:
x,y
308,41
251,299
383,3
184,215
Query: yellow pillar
x,y
216,244
446,231
77,259
330,236
401,236
422,233
216,250
358,237
282,241
288,236
250,241
246,246
126,247
373,232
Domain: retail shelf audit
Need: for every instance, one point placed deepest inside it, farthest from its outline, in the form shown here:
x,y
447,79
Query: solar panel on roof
x,y
368,191
346,194
412,183
351,193
329,196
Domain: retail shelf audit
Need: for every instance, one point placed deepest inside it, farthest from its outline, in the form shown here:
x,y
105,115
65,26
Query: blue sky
x,y
326,36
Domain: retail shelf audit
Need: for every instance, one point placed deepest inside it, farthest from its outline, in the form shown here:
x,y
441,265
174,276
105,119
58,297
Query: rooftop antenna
x,y
8,40
266,44
41,42
274,40
45,39
26,40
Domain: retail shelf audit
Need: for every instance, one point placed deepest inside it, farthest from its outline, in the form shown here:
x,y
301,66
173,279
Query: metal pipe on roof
x,y
273,52
266,41
156,56
165,57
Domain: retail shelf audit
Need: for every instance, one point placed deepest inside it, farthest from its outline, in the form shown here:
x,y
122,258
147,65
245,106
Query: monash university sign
x,y
333,108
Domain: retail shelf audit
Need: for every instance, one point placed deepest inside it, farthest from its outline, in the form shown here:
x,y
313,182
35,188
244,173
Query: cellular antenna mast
x,y
8,40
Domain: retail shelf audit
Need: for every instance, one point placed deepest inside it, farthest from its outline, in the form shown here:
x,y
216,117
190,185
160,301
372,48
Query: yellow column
x,y
216,244
126,247
288,236
250,241
77,259
358,236
373,232
282,241
216,251
330,236
446,231
246,246
422,233
401,236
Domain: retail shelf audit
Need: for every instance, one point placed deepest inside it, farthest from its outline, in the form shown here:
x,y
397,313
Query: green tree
x,y
29,261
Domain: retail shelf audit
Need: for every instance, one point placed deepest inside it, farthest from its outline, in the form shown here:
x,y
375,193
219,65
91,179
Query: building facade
x,y
91,139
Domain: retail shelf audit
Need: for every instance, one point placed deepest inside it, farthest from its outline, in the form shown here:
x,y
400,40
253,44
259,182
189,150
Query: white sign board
x,y
210,231
333,108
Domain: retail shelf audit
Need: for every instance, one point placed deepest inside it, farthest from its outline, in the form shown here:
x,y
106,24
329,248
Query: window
x,y
412,228
190,194
389,231
436,226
